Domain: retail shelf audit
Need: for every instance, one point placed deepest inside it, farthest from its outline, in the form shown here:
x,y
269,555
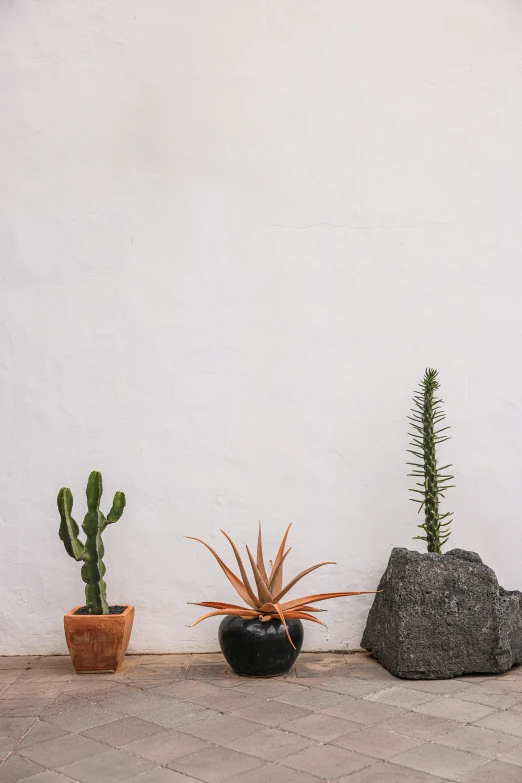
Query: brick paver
x,y
271,744
493,772
378,743
449,764
215,764
63,750
189,719
475,739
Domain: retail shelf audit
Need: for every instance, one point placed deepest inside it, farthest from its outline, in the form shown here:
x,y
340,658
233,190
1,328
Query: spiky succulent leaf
x,y
244,577
260,557
274,585
297,578
289,605
262,587
236,583
218,605
245,613
69,530
282,618
303,616
276,575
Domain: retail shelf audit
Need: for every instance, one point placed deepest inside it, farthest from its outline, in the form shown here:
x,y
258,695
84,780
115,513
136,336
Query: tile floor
x,y
187,718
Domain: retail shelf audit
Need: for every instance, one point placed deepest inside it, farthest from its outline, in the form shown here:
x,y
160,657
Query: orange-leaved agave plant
x,y
266,604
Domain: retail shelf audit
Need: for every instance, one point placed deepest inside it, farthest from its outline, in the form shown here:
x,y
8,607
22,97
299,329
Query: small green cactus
x,y
427,415
93,569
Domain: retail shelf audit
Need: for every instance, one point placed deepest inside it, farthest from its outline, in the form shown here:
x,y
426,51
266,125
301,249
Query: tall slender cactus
x,y
427,415
94,523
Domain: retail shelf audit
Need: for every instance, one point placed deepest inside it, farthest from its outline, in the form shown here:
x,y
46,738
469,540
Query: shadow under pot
x,y
256,649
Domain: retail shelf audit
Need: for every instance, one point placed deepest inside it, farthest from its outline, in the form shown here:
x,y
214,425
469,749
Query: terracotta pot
x,y
98,642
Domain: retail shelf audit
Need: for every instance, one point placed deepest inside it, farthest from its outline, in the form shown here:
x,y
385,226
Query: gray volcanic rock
x,y
443,615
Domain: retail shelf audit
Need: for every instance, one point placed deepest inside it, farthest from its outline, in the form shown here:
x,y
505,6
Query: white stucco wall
x,y
233,234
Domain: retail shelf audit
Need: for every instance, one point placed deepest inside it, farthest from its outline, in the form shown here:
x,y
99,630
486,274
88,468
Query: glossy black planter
x,y
256,649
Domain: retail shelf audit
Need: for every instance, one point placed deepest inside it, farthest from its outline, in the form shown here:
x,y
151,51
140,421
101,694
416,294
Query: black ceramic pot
x,y
256,649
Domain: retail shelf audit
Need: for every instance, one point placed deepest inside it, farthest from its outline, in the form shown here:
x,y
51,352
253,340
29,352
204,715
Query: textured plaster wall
x,y
233,234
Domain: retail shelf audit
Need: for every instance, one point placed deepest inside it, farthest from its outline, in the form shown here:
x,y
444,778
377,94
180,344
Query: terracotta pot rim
x,y
104,617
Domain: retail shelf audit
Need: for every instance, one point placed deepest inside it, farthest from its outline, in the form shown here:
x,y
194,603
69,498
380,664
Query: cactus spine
x,y
93,569
427,415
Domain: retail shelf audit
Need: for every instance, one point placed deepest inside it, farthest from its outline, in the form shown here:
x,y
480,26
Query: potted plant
x,y
440,615
97,634
264,638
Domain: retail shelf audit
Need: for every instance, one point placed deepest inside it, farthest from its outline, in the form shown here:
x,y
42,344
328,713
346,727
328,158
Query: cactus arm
x,y
68,528
94,491
118,506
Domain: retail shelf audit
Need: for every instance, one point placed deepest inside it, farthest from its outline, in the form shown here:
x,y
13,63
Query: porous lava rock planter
x,y
253,648
440,616
98,642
